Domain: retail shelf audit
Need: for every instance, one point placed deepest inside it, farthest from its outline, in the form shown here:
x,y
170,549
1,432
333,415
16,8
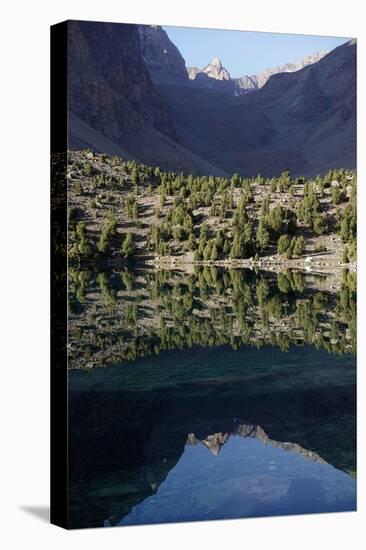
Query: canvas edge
x,y
58,347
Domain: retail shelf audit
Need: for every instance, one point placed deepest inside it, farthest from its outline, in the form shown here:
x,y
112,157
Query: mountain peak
x,y
216,70
216,62
259,80
238,86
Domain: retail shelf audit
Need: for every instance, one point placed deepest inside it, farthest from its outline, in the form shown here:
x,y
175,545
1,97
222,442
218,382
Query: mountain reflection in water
x,y
246,478
209,433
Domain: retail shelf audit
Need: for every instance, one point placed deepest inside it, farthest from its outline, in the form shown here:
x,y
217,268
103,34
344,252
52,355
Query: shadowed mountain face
x,y
303,121
109,85
113,105
163,59
130,95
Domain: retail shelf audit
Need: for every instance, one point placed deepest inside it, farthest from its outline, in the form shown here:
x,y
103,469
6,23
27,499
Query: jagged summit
x,y
216,61
216,441
214,65
244,84
216,70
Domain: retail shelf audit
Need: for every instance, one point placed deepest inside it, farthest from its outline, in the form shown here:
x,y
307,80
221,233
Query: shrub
x,y
320,248
336,195
128,247
88,169
299,246
283,244
320,225
78,188
109,229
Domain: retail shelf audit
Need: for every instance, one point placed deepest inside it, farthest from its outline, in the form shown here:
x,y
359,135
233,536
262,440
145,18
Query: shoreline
x,y
307,264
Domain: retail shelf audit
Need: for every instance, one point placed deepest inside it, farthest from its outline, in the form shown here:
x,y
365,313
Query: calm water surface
x,y
212,433
208,395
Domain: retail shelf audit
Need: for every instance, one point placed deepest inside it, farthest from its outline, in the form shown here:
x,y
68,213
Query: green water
x,y
209,432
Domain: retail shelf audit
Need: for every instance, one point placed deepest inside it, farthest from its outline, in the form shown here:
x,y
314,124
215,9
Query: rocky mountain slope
x,y
214,73
260,79
163,59
213,77
109,85
130,95
313,111
303,121
114,106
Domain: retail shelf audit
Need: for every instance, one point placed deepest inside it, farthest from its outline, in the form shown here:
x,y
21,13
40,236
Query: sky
x,y
244,52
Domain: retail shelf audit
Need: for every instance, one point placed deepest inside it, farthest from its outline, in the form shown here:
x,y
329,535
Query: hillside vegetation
x,y
121,211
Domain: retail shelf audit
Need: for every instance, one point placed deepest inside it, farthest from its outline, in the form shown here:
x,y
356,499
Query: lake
x,y
210,396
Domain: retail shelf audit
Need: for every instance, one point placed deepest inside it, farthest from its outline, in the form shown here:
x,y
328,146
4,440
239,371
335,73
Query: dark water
x,y
208,395
210,433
